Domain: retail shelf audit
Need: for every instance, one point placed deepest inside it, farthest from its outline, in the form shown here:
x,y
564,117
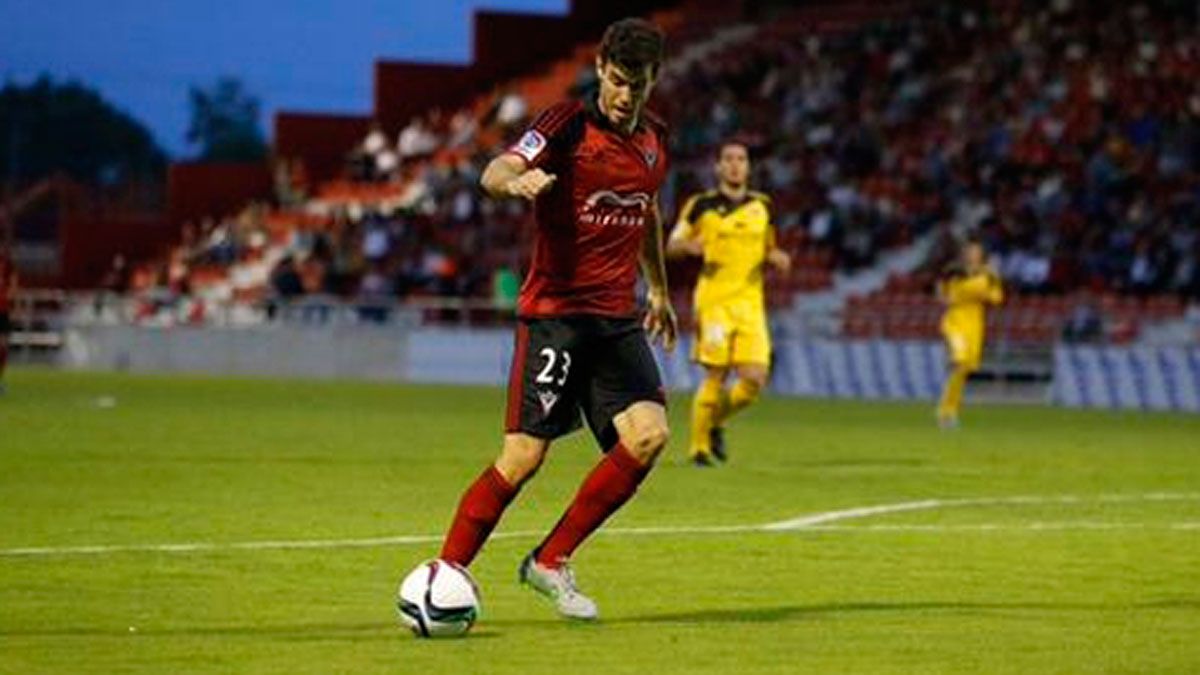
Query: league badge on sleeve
x,y
530,145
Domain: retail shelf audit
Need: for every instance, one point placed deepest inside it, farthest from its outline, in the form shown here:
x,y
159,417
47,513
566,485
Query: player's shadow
x,y
801,612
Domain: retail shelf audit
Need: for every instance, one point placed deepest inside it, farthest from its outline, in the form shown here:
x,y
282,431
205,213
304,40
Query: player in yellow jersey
x,y
968,287
730,229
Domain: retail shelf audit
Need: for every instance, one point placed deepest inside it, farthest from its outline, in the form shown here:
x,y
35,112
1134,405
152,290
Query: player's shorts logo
x,y
606,207
547,399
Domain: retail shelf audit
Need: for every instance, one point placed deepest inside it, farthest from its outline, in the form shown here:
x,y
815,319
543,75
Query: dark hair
x,y
733,141
632,44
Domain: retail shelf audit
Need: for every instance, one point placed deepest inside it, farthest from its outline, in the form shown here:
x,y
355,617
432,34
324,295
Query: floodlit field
x,y
1034,540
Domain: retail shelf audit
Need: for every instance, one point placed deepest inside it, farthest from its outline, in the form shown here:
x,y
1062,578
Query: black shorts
x,y
5,324
566,367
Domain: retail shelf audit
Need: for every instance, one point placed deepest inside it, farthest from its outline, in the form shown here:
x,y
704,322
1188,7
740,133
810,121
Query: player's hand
x,y
780,260
660,321
530,184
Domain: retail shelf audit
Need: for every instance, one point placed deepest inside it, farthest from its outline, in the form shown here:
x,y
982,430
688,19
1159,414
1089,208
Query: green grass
x,y
1111,587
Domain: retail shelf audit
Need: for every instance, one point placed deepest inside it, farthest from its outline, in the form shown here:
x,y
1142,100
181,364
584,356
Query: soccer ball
x,y
438,599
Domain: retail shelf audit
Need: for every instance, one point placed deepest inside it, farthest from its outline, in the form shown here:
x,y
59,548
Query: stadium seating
x,y
872,124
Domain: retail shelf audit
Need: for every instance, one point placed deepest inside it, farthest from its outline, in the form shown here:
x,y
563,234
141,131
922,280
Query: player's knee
x,y
756,382
753,379
520,457
648,439
644,434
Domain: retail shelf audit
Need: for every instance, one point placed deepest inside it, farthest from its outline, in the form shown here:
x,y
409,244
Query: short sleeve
x,y
685,227
547,134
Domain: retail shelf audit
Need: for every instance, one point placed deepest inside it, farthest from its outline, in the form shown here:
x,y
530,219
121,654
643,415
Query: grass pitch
x,y
1044,540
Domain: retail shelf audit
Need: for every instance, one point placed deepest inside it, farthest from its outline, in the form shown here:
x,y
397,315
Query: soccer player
x,y
592,169
967,287
730,229
8,288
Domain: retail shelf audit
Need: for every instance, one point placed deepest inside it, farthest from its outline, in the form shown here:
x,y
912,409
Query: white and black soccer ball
x,y
438,599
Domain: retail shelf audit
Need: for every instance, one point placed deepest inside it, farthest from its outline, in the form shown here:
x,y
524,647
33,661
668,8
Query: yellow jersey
x,y
966,296
736,237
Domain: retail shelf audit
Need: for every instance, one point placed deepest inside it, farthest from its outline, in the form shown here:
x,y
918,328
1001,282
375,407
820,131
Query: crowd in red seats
x,y
1066,133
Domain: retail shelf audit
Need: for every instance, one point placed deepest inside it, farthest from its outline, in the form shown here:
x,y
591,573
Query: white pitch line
x,y
808,522
1055,526
817,522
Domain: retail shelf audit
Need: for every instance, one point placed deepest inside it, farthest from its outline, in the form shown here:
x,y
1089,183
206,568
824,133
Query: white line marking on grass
x,y
809,522
818,522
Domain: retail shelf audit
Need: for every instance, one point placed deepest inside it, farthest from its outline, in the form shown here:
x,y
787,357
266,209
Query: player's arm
x,y
777,257
995,287
517,172
685,238
509,175
660,317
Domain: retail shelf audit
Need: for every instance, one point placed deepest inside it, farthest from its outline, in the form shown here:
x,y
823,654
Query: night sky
x,y
142,55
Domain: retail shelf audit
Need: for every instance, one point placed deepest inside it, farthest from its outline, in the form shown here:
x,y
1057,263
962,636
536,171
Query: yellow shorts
x,y
732,334
965,347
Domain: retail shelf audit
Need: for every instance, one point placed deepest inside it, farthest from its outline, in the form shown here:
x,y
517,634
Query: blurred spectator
x,y
285,279
416,140
374,295
511,110
1085,323
1067,134
376,243
116,279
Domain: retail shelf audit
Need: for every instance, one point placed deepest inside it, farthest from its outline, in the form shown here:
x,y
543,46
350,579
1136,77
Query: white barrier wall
x,y
341,352
861,369
1139,378
866,369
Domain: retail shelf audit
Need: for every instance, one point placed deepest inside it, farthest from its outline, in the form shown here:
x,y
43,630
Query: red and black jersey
x,y
591,222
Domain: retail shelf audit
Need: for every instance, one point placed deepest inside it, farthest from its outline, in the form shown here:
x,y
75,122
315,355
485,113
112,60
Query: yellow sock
x,y
744,393
952,393
704,412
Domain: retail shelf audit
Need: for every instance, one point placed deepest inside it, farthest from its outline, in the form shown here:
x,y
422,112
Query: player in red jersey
x,y
592,169
8,288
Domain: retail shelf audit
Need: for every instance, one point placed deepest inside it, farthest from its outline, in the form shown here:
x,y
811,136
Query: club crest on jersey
x,y
651,156
530,145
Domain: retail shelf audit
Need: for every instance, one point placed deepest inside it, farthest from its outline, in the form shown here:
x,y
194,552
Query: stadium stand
x,y
1065,133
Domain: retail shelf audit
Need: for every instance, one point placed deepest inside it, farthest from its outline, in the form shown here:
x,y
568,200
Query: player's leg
x,y
958,345
486,499
626,410
707,404
751,354
751,380
541,406
713,351
642,434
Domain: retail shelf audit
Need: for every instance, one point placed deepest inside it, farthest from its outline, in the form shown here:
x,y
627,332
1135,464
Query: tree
x,y
48,128
225,123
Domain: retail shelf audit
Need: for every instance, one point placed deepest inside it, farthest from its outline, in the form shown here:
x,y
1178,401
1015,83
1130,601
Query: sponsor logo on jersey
x,y
606,207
